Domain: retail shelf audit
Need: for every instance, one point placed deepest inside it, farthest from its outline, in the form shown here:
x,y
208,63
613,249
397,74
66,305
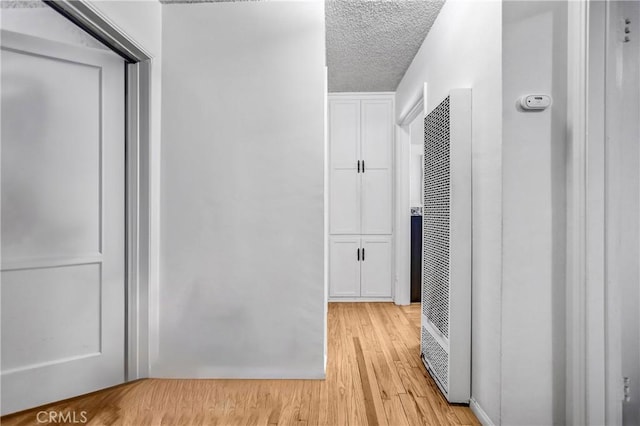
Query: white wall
x,y
416,130
242,291
463,49
141,20
533,301
623,220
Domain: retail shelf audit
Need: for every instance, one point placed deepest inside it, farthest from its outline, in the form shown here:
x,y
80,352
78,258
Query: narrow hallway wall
x,y
463,49
534,214
242,289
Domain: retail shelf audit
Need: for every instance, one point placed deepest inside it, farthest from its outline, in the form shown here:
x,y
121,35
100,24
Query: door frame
x,y
138,64
402,202
591,389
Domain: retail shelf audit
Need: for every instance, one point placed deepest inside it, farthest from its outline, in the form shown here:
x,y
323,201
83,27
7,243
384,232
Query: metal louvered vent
x,y
438,358
435,218
446,246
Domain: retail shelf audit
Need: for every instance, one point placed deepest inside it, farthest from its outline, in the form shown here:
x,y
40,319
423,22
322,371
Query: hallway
x,y
374,376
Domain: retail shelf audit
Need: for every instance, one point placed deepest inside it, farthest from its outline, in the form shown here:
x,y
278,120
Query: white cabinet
x,y
360,266
360,196
360,143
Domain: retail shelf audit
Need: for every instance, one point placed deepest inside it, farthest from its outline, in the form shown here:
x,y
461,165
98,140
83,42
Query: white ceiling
x,y
370,43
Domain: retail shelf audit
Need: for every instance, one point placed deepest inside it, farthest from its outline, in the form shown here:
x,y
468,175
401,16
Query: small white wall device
x,y
535,102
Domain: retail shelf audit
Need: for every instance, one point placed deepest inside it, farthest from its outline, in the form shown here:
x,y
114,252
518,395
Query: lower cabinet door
x,y
344,266
375,266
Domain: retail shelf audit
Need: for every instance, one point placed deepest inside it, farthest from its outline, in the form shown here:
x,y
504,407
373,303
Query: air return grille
x,y
435,218
438,358
446,246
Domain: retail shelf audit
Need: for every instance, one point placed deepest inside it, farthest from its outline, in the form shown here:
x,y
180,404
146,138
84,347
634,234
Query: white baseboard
x,y
480,413
361,299
186,372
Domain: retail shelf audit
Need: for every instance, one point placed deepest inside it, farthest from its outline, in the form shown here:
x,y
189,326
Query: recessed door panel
x,y
376,267
344,204
71,304
344,264
50,174
344,133
376,133
376,201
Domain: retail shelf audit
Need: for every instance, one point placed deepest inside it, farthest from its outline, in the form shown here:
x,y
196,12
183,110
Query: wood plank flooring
x,y
374,377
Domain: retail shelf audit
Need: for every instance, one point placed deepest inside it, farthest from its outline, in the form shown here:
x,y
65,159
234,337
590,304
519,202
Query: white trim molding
x,y
594,212
87,17
360,299
413,113
361,95
482,416
137,144
576,213
402,220
587,295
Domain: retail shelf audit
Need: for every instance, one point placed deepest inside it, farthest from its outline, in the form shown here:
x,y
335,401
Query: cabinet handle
x,y
358,166
362,166
363,254
358,255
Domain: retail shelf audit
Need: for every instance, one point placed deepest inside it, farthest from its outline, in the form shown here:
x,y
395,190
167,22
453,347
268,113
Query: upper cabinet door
x,y
377,133
344,133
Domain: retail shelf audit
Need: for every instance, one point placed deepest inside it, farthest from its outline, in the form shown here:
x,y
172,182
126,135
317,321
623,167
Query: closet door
x,y
344,266
376,266
344,137
63,221
377,136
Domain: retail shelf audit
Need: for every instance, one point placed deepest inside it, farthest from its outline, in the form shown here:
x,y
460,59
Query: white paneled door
x,y
344,203
63,226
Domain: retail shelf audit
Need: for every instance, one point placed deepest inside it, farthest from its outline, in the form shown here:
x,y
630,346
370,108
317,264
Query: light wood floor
x,y
374,376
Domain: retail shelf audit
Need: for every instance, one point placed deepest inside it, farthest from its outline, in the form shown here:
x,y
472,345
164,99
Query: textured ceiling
x,y
371,43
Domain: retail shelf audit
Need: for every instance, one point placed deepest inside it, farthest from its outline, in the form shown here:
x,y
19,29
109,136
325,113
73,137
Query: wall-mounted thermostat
x,y
535,102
